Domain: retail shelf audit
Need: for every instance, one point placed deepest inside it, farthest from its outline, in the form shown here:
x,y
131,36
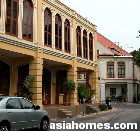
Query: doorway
x,y
23,71
46,85
4,79
60,77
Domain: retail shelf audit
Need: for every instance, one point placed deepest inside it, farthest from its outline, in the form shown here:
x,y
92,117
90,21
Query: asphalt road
x,y
124,113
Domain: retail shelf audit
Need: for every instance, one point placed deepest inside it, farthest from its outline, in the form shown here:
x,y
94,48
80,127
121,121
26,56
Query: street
x,y
125,113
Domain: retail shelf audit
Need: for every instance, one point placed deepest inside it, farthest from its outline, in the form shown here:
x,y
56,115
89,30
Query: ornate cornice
x,y
60,6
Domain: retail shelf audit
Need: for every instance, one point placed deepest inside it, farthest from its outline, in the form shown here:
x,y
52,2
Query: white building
x,y
137,82
116,74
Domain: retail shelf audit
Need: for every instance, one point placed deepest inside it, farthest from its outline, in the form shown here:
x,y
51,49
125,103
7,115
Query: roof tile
x,y
111,46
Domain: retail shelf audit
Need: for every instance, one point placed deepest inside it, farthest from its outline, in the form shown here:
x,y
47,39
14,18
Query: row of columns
x,y
82,29
35,69
102,92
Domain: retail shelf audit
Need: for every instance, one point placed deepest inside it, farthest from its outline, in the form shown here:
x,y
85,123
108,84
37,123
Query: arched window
x,y
47,27
12,10
67,35
90,46
27,29
78,31
58,32
85,50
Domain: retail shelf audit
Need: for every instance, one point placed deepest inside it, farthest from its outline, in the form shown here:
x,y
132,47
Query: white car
x,y
18,113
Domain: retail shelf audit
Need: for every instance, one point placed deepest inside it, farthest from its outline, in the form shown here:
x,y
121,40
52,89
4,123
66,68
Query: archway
x,y
4,79
46,86
60,77
23,71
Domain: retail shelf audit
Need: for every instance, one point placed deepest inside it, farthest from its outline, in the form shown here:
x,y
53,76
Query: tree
x,y
69,85
136,56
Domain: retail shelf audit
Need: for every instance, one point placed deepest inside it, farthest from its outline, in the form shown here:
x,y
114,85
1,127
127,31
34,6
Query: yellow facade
x,y
16,52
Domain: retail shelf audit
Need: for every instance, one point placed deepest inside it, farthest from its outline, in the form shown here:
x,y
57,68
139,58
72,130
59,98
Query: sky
x,y
117,20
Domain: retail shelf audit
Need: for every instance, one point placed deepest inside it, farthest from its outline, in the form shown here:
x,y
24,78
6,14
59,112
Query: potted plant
x,y
45,101
88,96
27,84
81,92
69,86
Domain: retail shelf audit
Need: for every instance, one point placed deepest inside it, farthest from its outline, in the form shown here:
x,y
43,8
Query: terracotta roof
x,y
111,46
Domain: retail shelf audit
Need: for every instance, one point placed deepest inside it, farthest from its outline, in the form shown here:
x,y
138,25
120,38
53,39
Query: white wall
x,y
128,66
137,72
118,89
103,49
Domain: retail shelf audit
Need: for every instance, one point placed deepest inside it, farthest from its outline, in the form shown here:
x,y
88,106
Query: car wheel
x,y
44,124
4,127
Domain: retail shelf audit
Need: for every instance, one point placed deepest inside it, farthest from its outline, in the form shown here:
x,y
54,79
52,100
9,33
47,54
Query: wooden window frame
x,y
29,7
85,76
11,18
47,33
79,76
79,46
90,47
85,47
110,69
113,91
67,36
121,69
58,32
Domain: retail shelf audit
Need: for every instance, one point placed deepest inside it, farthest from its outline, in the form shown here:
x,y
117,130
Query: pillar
x,y
13,82
20,18
3,15
36,32
53,29
72,75
82,43
88,44
63,34
93,81
53,87
94,46
130,93
101,92
71,40
35,69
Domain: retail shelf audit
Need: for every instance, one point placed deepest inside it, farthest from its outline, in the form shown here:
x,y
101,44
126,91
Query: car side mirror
x,y
37,107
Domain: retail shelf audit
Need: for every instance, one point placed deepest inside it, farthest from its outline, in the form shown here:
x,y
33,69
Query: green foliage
x,y
83,92
88,94
20,94
69,85
121,97
27,84
136,56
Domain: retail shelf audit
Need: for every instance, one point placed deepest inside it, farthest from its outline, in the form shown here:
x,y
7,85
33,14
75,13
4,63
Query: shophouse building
x,y
48,40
